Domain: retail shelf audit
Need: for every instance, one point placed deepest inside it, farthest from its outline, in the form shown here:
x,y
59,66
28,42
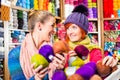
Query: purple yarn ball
x,y
81,51
59,75
87,70
47,52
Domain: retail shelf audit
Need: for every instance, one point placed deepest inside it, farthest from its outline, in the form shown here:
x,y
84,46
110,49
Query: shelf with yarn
x,y
110,26
19,8
2,50
19,30
112,18
92,19
27,10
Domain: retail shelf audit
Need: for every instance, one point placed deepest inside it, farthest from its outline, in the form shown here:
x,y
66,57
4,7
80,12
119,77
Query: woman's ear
x,y
39,26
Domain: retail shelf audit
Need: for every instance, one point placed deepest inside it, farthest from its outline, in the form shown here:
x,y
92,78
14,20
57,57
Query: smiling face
x,y
74,33
48,29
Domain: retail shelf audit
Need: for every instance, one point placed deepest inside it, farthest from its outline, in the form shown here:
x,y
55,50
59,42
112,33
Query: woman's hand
x,y
39,72
110,61
57,63
72,53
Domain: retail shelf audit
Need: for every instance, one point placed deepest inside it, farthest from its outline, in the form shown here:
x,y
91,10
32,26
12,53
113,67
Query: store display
x,y
2,50
104,23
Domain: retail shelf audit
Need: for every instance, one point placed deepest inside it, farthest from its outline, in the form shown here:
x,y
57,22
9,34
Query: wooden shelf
x,y
57,17
19,8
92,32
111,18
110,30
92,19
111,41
14,43
19,30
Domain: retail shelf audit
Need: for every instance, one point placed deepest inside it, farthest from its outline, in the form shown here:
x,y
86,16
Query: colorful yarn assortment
x,y
23,3
92,26
61,33
113,10
112,25
93,38
116,7
112,49
92,7
1,45
51,5
17,36
91,4
112,36
36,4
18,19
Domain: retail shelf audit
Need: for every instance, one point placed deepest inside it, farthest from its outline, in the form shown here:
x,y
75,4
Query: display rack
x,y
7,32
2,50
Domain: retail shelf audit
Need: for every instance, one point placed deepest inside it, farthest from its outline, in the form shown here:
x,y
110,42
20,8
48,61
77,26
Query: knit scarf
x,y
86,42
27,50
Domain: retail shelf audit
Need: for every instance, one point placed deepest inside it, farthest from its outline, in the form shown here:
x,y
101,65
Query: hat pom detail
x,y
81,9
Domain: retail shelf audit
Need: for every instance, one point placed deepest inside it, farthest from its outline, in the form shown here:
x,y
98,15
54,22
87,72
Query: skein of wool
x,y
47,52
59,75
75,77
87,70
81,51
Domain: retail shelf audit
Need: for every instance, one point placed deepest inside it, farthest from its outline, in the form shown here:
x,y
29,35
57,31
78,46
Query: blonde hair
x,y
37,16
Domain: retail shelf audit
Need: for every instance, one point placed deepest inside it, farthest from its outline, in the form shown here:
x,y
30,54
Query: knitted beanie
x,y
79,17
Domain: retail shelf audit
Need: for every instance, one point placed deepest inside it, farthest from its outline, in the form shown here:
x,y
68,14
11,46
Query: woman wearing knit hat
x,y
76,26
41,24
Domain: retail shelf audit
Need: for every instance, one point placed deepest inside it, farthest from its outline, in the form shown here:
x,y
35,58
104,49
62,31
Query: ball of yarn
x,y
87,70
75,77
103,70
38,60
60,47
95,77
59,75
47,52
81,51
75,61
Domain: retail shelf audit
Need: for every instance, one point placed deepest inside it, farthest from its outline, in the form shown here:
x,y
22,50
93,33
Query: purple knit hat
x,y
79,17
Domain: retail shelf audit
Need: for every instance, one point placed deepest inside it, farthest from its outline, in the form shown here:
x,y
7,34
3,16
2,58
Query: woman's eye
x,y
74,27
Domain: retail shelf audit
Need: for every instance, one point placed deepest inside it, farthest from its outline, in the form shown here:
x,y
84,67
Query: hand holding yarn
x,y
104,70
39,72
60,49
44,57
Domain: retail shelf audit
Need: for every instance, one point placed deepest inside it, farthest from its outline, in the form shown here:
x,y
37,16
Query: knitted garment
x,y
95,52
85,42
28,49
14,67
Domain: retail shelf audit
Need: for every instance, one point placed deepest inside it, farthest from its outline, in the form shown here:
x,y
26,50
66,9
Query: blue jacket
x,y
14,66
